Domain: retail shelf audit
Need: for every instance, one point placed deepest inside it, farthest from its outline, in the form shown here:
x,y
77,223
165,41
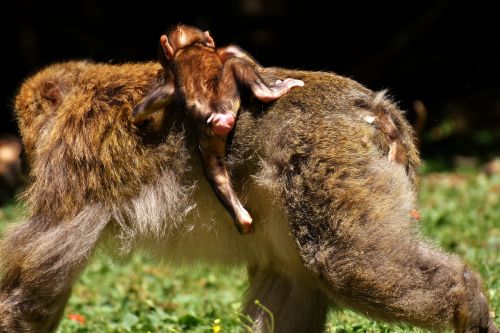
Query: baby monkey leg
x,y
159,98
212,148
244,69
239,66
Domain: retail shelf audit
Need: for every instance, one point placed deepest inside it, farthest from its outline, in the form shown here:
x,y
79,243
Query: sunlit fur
x,y
332,212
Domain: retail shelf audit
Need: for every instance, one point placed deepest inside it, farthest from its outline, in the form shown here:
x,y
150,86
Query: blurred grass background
x,y
460,211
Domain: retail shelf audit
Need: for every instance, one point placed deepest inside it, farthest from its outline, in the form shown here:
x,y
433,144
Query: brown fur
x,y
332,211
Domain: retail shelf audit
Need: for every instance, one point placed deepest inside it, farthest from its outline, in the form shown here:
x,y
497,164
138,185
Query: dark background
x,y
442,53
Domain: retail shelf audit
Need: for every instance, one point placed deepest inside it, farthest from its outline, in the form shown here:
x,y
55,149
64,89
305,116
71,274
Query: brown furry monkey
x,y
332,223
205,79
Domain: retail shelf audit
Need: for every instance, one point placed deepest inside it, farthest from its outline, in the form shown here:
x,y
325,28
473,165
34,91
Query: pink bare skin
x,y
246,225
280,88
222,123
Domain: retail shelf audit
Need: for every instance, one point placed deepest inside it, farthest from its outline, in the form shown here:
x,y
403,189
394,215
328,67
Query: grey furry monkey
x,y
332,210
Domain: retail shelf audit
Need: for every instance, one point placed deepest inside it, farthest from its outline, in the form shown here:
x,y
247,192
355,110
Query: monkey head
x,y
182,36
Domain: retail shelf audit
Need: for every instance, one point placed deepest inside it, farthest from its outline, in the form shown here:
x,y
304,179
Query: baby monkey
x,y
205,82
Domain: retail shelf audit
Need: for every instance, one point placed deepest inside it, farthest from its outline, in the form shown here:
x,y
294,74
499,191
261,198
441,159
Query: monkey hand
x,y
222,123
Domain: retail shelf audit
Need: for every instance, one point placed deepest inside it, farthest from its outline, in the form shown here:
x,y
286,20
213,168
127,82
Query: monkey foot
x,y
245,229
277,90
222,123
244,223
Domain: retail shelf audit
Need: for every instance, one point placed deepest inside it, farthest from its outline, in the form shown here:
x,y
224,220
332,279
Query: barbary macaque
x,y
205,79
333,228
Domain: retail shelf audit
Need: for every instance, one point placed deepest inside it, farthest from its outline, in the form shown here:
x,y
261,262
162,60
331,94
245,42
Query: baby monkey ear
x,y
208,39
168,50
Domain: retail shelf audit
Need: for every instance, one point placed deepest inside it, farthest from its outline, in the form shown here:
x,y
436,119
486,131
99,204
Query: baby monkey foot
x,y
278,89
244,221
222,123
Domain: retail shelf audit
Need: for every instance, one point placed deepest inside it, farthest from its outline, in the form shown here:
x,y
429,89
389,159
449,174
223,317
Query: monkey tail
x,y
39,263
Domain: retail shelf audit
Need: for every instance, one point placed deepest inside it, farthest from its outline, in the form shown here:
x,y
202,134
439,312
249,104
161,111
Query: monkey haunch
x,y
333,210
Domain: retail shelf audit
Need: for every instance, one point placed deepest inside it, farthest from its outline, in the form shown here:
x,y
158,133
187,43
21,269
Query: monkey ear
x,y
208,39
168,50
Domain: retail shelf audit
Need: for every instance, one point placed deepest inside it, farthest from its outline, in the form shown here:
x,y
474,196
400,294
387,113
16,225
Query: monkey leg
x,y
353,230
246,73
289,305
398,278
234,51
224,109
212,150
156,100
40,261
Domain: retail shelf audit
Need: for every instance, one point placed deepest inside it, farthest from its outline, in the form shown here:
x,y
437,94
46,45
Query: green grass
x,y
460,212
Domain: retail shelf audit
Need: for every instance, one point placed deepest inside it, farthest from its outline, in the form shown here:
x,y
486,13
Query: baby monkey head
x,y
182,36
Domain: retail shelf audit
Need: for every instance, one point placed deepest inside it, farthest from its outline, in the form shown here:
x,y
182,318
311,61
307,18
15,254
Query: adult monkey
x,y
331,210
